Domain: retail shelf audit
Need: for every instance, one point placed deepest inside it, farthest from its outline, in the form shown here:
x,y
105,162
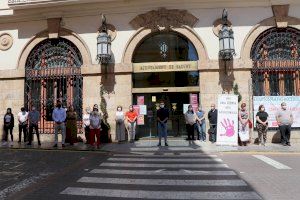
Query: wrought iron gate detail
x,y
53,72
276,62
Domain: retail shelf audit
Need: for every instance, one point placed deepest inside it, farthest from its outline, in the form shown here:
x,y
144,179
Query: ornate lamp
x,y
103,44
226,39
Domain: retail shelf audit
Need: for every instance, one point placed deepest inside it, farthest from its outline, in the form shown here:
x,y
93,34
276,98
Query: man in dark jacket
x,y
213,120
34,118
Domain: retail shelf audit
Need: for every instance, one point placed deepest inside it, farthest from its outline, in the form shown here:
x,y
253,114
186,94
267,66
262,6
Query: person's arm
x,y
257,119
19,118
12,120
64,116
54,116
291,119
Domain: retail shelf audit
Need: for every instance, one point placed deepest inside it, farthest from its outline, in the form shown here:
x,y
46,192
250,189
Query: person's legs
x,y
188,131
133,130
265,128
56,128
5,133
214,133
288,134
203,128
282,130
24,127
20,132
198,128
97,132
36,127
193,131
11,134
63,133
165,133
92,137
259,132
30,134
86,133
159,129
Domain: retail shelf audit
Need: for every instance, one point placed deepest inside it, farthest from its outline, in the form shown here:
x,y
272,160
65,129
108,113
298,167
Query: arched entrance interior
x,y
165,66
53,72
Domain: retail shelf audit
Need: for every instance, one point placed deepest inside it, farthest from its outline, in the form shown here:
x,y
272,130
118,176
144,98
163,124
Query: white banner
x,y
273,105
227,127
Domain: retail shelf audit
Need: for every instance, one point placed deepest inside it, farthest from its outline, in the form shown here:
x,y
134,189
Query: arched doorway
x,y
165,66
276,63
53,72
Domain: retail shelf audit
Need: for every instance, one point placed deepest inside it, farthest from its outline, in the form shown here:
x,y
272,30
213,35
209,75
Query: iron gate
x,y
53,72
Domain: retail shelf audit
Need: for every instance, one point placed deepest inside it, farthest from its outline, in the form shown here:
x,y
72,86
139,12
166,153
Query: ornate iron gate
x,y
276,63
53,72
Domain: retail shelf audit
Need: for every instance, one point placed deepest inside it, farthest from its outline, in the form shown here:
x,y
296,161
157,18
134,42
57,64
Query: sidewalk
x,y
150,146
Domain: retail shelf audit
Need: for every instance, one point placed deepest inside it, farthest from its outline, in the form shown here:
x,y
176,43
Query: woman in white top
x,y
86,124
190,121
120,126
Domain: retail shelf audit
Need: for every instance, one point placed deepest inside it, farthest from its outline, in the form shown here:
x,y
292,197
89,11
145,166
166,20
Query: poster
x,y
141,120
136,108
227,126
140,100
273,105
193,99
143,110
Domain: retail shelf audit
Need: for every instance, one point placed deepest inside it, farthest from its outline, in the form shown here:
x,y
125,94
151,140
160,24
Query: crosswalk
x,y
170,176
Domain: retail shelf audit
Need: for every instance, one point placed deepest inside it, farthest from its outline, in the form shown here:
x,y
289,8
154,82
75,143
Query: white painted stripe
x,y
169,173
106,164
183,155
142,194
271,162
190,160
171,182
164,149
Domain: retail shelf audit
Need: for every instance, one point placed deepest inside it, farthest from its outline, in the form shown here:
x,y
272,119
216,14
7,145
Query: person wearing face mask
x,y
59,117
86,124
190,121
131,117
201,126
22,119
262,125
8,125
34,118
284,120
95,126
120,126
243,125
213,121
162,119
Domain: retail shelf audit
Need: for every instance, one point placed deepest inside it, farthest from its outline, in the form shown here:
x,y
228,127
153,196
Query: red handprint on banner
x,y
229,127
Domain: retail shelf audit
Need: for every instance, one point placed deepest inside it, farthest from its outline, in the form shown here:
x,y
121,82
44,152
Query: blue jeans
x,y
162,131
201,128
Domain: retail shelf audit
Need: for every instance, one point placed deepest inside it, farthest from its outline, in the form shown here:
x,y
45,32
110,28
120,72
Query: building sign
x,y
165,66
227,126
273,105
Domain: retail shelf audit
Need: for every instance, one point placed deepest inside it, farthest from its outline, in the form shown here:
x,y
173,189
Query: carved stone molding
x,y
6,41
111,30
217,25
53,27
281,12
164,19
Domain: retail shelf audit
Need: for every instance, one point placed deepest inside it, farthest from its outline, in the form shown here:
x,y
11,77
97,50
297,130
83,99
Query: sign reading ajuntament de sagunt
x,y
165,66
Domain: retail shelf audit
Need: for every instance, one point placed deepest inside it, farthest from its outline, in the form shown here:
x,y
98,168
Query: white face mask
x,y
119,109
162,105
284,107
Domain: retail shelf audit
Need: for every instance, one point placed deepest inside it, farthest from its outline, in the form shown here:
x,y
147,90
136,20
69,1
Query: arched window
x,y
276,63
53,72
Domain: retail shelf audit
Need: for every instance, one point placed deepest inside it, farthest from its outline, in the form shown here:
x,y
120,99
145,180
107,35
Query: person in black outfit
x,y
8,125
162,119
213,120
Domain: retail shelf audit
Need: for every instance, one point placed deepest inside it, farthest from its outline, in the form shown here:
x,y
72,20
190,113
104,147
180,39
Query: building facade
x,y
161,50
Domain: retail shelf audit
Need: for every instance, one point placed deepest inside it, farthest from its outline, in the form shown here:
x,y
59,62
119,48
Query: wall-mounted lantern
x,y
103,43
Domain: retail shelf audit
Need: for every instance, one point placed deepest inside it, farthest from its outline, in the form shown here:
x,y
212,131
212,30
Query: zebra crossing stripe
x,y
271,162
106,164
190,160
163,149
142,194
156,182
170,173
182,155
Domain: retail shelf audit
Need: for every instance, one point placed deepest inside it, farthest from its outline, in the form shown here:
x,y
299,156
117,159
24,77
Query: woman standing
x,y
9,125
243,125
120,126
71,126
131,117
262,125
86,124
190,120
95,126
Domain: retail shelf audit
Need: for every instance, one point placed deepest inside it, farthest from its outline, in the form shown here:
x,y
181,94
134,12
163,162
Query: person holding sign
x,y
162,119
243,125
284,119
213,121
131,117
262,125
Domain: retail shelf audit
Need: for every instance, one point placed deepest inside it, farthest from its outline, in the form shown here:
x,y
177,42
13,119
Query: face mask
x,y
59,106
119,109
8,111
162,105
284,107
262,109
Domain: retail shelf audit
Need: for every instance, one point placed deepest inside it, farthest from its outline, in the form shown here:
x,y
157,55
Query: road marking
x,y
189,160
182,155
106,164
271,162
182,172
141,194
164,149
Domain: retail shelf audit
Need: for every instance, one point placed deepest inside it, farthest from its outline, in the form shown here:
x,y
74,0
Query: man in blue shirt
x,y
59,118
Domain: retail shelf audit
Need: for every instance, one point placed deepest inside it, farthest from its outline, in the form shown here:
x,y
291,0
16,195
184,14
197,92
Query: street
x,y
180,171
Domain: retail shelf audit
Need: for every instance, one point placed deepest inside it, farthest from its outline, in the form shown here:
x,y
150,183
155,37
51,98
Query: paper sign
x,y
140,100
140,120
153,98
136,108
143,110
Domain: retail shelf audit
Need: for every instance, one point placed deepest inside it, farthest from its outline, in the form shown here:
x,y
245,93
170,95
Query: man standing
x,y
22,119
59,118
162,119
213,120
131,117
284,119
34,118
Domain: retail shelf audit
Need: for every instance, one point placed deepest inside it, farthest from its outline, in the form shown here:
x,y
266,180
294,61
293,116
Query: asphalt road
x,y
164,174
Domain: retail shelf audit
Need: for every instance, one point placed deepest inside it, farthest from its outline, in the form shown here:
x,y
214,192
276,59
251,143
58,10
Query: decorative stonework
x,y
6,41
281,13
164,19
111,30
218,25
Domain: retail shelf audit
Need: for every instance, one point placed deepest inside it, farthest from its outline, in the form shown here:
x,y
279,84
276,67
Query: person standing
x,y
190,121
120,126
86,124
95,126
213,121
285,120
22,119
131,117
201,126
9,122
243,125
262,125
71,126
162,119
34,118
59,118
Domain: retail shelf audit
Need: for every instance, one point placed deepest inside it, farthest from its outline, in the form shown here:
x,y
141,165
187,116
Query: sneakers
x,y
159,144
55,145
63,145
166,144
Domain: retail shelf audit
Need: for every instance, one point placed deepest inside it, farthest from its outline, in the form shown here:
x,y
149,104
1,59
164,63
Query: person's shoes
x,y
98,146
204,140
166,144
63,145
159,144
39,144
284,144
29,144
55,145
289,144
19,141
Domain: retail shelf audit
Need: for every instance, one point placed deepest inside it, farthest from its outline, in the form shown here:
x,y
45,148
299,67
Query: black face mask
x,y
59,106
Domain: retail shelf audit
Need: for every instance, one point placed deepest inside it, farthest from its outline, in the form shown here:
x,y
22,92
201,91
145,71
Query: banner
x,y
227,126
273,105
140,100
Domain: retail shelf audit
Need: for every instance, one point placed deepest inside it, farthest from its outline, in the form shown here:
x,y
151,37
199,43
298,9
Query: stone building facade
x,y
25,26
